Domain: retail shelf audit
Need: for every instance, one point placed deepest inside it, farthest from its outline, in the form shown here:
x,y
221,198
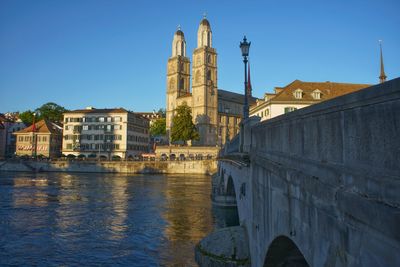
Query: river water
x,y
60,219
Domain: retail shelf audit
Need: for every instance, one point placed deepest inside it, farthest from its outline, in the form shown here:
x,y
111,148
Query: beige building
x,y
216,113
299,94
43,138
106,133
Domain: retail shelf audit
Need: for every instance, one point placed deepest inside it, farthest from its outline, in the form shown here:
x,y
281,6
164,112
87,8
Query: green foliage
x,y
26,117
183,128
50,111
162,112
158,127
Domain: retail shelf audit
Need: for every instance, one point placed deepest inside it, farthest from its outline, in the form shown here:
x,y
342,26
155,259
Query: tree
x,y
183,128
50,111
26,117
158,127
162,112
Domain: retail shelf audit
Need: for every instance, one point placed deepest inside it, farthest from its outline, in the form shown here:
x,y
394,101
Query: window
x,y
85,127
101,119
20,138
117,119
181,84
66,127
109,119
289,109
208,75
209,59
69,146
316,94
298,94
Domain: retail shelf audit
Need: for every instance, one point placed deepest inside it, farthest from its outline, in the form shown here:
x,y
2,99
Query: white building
x,y
299,94
106,133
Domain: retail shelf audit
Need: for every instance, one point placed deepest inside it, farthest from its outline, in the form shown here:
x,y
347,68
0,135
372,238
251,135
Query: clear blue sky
x,y
98,53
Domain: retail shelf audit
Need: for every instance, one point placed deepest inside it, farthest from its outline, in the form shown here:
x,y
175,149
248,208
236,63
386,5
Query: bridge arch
x,y
230,187
284,252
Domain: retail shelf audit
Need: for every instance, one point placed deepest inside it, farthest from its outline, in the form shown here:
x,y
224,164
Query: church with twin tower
x,y
216,113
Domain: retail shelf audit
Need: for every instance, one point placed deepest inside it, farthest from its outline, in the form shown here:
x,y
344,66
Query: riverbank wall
x,y
140,167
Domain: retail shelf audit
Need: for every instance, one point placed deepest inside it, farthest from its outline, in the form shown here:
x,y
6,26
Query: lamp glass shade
x,y
245,47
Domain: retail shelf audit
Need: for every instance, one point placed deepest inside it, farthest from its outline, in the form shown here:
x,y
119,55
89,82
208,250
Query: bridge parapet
x,y
352,141
320,185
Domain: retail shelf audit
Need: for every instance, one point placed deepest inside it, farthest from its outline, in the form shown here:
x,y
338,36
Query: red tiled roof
x,y
95,110
328,90
43,126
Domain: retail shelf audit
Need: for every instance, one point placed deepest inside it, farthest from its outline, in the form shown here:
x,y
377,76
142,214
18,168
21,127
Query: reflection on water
x,y
92,219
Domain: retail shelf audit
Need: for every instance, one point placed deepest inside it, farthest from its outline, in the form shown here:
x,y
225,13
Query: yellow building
x,y
299,94
40,139
216,113
107,133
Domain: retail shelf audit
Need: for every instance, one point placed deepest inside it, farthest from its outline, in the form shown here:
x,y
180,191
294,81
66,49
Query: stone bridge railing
x,y
320,186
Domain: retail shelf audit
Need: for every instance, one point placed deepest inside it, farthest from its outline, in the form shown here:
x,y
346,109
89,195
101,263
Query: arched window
x,y
316,94
209,59
298,94
208,75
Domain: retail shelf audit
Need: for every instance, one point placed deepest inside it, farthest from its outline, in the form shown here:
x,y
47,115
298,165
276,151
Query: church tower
x,y
178,75
204,86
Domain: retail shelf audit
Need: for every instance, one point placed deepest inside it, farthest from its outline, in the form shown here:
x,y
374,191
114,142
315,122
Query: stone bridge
x,y
319,186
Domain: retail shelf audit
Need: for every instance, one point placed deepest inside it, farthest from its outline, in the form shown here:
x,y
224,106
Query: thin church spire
x,y
382,77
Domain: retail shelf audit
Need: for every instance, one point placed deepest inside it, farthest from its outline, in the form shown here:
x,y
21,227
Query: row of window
x,y
136,147
289,109
29,138
93,137
106,127
138,121
263,113
137,129
229,120
298,94
138,138
92,147
93,119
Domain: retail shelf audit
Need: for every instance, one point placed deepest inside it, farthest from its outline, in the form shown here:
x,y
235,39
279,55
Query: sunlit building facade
x,y
299,94
105,133
40,139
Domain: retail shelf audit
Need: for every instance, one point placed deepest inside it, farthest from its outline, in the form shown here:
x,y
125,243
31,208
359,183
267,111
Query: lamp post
x,y
227,110
245,46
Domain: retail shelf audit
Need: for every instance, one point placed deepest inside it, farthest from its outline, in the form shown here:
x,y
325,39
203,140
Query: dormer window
x,y
316,94
298,94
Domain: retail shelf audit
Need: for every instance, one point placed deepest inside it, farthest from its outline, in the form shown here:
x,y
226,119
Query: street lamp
x,y
227,110
245,47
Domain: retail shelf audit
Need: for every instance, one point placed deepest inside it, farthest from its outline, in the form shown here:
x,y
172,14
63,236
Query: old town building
x,y
299,94
42,138
216,113
9,125
106,133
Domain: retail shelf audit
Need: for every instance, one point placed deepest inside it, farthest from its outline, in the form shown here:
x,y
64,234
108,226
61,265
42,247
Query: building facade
x,y
43,138
9,125
299,94
106,133
216,113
